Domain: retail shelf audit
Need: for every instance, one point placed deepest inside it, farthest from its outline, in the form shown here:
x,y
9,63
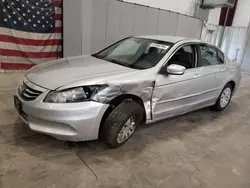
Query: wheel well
x,y
116,101
232,84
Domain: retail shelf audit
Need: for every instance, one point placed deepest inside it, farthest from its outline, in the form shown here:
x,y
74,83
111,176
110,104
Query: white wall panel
x,y
145,20
139,20
233,42
99,25
85,14
71,16
127,20
186,7
93,24
242,14
167,24
246,57
188,27
181,6
113,22
214,16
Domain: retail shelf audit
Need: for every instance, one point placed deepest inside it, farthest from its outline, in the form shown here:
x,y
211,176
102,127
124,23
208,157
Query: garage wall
x,y
107,21
233,43
71,16
242,16
212,33
246,56
233,40
182,6
214,16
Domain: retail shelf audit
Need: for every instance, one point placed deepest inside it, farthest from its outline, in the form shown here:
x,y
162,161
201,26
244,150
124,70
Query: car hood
x,y
58,73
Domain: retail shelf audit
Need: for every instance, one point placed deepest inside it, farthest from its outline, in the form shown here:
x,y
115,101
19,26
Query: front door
x,y
178,94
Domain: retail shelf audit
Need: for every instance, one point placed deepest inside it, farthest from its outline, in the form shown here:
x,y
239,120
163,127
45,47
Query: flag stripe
x,y
28,35
30,48
18,53
24,41
58,23
13,59
57,3
58,17
58,30
58,11
14,66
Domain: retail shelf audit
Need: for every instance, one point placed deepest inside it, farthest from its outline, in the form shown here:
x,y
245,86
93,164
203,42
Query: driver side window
x,y
185,56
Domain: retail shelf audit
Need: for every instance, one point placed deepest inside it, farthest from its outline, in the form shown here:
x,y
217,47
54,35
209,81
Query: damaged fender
x,y
143,90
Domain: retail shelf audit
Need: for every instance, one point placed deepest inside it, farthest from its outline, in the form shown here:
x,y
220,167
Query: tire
x,y
220,105
126,111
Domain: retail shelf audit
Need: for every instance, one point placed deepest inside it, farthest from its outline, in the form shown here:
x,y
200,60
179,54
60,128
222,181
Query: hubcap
x,y
127,130
225,97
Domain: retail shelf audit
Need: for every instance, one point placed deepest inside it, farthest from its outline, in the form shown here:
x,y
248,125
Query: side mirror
x,y
176,69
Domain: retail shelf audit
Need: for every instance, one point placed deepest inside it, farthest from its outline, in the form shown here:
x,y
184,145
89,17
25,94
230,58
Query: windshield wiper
x,y
135,67
107,59
96,56
115,61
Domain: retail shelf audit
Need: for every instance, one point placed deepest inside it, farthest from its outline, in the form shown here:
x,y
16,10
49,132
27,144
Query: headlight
x,y
78,94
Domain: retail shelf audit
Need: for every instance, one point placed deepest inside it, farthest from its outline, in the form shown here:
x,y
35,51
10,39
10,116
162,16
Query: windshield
x,y
136,53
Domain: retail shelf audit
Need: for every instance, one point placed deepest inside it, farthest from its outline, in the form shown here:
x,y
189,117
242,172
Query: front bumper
x,y
69,121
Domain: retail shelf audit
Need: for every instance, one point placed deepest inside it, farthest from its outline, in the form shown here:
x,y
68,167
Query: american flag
x,y
30,32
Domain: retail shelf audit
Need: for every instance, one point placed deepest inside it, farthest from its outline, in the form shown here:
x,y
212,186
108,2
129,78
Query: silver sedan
x,y
137,80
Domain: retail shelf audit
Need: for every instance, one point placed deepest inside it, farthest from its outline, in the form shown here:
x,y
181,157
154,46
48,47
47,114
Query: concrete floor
x,y
200,149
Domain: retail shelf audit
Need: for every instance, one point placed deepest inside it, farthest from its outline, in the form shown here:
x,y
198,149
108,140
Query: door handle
x,y
196,75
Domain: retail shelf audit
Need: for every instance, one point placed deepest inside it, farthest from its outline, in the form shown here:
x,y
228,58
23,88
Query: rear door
x,y
210,68
222,73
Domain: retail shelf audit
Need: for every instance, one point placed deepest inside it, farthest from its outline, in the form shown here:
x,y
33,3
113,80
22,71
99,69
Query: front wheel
x,y
224,98
121,123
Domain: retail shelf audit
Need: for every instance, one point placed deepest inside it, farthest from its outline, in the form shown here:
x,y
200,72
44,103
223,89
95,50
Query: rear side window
x,y
209,56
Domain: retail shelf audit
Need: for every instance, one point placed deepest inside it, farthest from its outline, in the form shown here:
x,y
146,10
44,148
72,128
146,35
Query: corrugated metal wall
x,y
246,56
107,21
233,40
211,34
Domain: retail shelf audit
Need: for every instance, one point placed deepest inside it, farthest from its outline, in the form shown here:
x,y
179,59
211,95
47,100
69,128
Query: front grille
x,y
27,93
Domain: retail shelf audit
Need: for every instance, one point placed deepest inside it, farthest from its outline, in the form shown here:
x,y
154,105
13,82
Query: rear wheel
x,y
121,123
224,98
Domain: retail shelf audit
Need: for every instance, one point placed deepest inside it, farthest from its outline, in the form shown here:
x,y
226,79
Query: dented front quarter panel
x,y
142,89
135,82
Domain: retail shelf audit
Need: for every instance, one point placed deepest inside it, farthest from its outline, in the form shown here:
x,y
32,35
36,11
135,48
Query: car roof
x,y
166,38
